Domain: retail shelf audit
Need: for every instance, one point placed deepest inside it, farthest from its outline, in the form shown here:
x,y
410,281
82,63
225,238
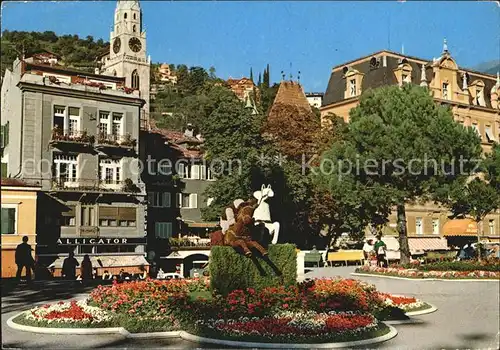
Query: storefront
x,y
459,232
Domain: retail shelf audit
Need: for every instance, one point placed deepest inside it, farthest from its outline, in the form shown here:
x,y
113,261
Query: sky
x,y
306,36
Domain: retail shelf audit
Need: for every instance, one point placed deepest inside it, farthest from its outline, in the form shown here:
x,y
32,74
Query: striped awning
x,y
460,227
418,244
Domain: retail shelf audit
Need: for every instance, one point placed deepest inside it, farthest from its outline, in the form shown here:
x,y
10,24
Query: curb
x,y
426,279
410,321
422,312
194,338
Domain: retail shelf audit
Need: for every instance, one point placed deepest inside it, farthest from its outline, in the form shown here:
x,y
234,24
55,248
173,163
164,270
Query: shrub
x,y
231,271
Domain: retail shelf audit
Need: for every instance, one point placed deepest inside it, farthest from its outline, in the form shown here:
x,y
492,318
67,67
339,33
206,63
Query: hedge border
x,y
194,338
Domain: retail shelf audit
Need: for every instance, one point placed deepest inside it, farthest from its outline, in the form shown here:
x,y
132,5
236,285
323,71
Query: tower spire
x,y
445,46
423,77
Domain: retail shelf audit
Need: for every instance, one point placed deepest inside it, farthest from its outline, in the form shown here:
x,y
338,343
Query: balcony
x,y
117,141
71,136
93,185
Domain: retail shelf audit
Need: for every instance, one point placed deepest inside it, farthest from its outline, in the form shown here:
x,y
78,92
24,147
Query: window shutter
x,y
178,200
108,213
157,230
166,200
168,229
195,172
181,169
193,200
127,214
151,199
8,220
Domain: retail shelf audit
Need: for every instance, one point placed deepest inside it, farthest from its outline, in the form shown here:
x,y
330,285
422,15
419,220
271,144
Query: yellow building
x,y
19,216
472,96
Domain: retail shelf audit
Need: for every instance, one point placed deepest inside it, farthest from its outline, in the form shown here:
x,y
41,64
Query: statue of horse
x,y
262,213
239,234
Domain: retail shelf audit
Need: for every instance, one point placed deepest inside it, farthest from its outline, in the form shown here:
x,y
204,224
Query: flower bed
x,y
293,327
407,304
415,273
66,314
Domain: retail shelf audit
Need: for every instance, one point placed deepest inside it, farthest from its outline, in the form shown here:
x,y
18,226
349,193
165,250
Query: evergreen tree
x,y
251,74
259,82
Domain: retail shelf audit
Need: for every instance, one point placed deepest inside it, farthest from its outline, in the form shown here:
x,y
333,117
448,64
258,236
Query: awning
x,y
202,224
418,244
182,254
391,242
460,227
107,261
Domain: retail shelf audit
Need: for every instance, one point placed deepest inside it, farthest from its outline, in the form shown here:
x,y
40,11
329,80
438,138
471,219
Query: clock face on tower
x,y
135,44
116,45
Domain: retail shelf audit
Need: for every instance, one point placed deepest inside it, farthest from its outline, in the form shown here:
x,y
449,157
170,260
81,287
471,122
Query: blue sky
x,y
312,36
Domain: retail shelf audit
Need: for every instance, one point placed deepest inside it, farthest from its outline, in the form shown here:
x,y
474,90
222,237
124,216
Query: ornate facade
x,y
472,96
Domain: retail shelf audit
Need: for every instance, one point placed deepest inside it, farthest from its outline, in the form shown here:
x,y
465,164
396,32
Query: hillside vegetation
x,y
75,52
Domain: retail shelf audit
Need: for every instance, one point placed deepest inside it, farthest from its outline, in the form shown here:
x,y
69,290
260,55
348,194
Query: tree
x,y
400,147
251,74
480,196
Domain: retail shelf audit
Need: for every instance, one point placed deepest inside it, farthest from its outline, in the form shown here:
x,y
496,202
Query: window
x,y
117,216
74,121
9,219
404,78
159,199
489,133
104,123
125,16
206,173
187,200
65,167
491,225
352,87
445,91
183,170
475,126
87,215
134,18
59,117
110,170
135,80
195,172
163,229
165,167
68,217
419,226
4,136
134,27
117,124
435,226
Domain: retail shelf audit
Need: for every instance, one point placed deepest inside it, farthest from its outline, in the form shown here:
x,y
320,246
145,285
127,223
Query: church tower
x,y
127,57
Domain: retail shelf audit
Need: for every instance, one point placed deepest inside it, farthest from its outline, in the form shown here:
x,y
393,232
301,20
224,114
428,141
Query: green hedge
x,y
230,270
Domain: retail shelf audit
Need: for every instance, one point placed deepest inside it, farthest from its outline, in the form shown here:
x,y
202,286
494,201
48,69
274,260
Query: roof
x,y
374,77
7,181
176,139
291,93
73,72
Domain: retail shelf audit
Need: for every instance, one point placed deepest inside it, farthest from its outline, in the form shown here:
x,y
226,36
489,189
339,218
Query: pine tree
x,y
266,76
251,74
260,80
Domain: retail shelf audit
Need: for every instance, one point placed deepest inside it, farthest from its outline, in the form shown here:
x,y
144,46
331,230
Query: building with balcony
x,y
75,135
315,99
473,98
176,178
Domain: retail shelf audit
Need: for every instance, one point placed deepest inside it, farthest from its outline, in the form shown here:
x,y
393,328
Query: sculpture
x,y
239,234
262,213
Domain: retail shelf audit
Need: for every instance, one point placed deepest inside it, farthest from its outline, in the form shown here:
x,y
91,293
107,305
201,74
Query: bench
x,y
345,256
312,258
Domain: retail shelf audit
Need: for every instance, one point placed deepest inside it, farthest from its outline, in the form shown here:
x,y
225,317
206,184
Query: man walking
x,y
24,259
381,250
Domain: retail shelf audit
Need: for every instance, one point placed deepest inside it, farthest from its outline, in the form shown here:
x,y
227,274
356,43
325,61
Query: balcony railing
x,y
189,243
72,136
116,140
93,185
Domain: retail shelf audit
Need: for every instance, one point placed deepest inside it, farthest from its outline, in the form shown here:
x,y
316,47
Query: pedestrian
x,y
381,251
69,267
86,268
24,259
95,273
367,250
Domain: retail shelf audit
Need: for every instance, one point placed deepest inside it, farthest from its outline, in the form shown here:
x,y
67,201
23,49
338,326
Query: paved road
x,y
468,316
